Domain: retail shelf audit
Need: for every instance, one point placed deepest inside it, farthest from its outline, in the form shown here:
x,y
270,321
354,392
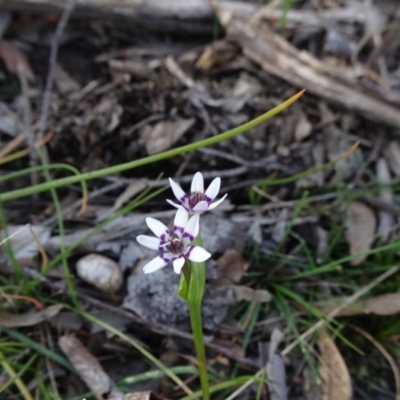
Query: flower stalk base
x,y
197,329
191,289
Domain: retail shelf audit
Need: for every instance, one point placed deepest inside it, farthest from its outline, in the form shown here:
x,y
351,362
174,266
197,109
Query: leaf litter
x,y
336,381
120,97
360,233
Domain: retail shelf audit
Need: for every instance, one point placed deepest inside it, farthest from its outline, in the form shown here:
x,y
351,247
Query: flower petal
x,y
149,241
216,203
191,228
178,192
197,254
197,183
157,227
213,190
181,207
178,264
155,264
200,207
181,219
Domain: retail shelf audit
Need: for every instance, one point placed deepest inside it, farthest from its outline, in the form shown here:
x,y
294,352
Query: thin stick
x,y
27,120
13,234
52,66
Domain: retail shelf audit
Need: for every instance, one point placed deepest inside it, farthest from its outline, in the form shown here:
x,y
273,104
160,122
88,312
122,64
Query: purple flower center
x,y
195,198
175,245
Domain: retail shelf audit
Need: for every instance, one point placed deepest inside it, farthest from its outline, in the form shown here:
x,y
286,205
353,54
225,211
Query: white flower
x,y
173,245
198,201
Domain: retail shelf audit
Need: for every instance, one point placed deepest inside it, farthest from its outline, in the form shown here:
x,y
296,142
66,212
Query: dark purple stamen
x,y
195,198
175,245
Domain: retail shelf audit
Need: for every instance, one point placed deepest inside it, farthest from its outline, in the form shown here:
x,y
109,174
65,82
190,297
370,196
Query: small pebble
x,y
100,271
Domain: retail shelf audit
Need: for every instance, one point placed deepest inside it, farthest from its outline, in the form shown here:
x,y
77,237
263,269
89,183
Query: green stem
x,y
25,171
15,194
197,329
195,297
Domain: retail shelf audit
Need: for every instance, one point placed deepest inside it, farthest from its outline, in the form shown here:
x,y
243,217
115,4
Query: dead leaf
x,y
322,243
10,123
303,127
127,70
219,53
386,219
246,88
23,242
30,318
317,178
386,304
328,306
67,320
360,224
393,156
279,229
64,81
88,368
275,368
164,134
248,294
231,267
336,143
336,381
15,60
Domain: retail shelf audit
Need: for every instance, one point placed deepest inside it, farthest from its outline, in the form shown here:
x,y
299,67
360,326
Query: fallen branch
x,y
191,16
278,57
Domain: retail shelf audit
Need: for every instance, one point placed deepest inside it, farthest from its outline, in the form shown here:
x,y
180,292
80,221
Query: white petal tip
x,y
170,202
217,203
213,190
148,241
154,265
157,227
178,264
181,218
177,190
197,183
198,254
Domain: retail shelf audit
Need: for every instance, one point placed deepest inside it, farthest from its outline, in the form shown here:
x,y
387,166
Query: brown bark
x,y
191,16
